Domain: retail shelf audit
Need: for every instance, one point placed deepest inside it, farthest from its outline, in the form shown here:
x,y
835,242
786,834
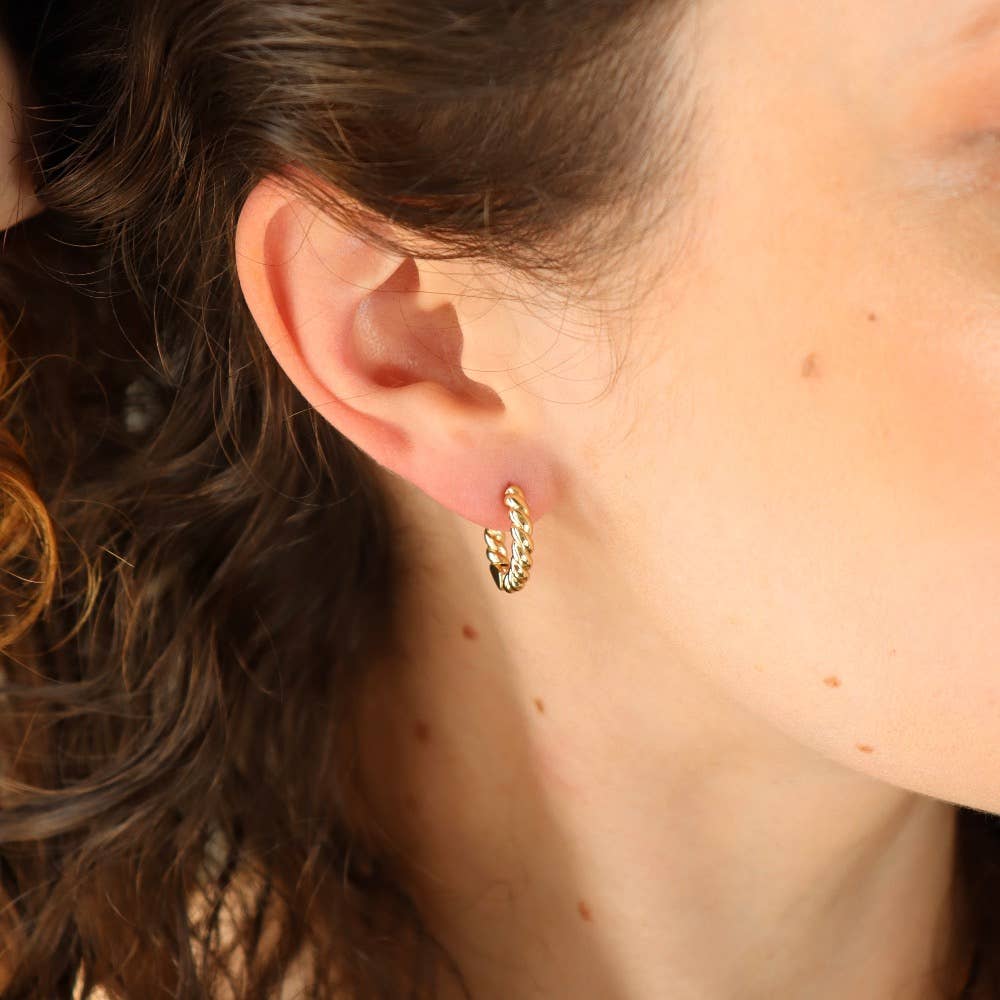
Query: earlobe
x,y
381,358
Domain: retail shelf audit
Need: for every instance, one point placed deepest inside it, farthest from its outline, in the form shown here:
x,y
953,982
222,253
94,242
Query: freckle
x,y
865,748
584,911
833,682
422,731
809,365
759,667
540,705
469,632
892,652
872,317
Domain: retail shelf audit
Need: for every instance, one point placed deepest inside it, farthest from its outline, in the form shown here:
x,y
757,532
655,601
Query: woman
x,y
715,284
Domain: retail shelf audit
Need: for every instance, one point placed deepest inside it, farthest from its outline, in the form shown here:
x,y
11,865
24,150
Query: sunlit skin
x,y
711,751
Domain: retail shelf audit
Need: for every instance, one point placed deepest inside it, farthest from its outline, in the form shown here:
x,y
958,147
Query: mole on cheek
x,y
872,317
831,681
422,731
469,632
865,748
809,367
584,911
540,705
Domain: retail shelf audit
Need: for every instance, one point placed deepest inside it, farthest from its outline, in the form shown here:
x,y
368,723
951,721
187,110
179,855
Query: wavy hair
x,y
181,809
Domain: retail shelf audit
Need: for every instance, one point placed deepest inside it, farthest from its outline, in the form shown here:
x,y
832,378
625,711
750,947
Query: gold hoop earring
x,y
511,574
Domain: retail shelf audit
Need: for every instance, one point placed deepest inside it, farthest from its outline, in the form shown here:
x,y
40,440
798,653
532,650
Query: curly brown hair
x,y
182,814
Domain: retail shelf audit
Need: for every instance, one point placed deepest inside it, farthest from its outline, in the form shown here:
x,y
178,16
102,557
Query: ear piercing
x,y
511,574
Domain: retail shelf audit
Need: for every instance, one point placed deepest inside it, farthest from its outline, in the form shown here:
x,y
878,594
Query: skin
x,y
713,749
17,197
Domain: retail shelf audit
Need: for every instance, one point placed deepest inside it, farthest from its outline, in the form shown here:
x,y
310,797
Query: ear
x,y
381,359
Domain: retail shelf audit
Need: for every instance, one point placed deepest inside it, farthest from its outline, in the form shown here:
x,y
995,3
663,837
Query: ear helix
x,y
511,574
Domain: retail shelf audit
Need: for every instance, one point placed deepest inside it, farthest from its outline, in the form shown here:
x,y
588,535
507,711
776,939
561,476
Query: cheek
x,y
826,498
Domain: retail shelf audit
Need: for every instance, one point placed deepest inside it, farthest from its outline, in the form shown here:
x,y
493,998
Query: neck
x,y
584,814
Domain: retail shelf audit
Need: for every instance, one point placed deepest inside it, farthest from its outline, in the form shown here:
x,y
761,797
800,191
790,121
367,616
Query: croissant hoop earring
x,y
511,574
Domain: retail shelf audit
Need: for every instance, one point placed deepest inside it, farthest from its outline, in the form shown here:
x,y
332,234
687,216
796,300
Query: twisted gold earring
x,y
511,574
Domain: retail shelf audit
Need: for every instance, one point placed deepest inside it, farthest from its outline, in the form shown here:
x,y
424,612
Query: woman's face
x,y
798,475
807,446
